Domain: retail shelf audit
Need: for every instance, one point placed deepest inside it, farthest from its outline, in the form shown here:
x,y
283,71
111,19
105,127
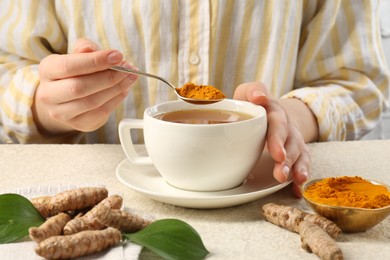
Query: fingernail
x,y
284,153
304,173
286,170
86,48
258,93
114,57
132,77
90,47
128,66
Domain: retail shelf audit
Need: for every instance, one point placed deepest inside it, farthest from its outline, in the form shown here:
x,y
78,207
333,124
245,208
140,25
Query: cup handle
x,y
125,125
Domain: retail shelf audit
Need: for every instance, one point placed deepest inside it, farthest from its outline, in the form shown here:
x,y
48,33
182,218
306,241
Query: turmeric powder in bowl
x,y
348,192
353,203
201,92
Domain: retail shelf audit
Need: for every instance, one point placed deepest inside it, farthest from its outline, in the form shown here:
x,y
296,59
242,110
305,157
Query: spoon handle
x,y
126,70
187,99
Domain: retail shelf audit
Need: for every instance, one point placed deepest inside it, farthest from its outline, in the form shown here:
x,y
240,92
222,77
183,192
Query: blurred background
x,y
382,131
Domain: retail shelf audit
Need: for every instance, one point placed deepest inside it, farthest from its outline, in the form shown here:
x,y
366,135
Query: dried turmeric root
x,y
79,244
315,239
89,221
51,227
124,221
69,200
42,204
77,199
289,218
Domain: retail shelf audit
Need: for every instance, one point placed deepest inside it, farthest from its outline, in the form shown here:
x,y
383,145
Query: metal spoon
x,y
189,100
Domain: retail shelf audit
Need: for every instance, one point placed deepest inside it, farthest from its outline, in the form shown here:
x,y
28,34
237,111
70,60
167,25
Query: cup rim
x,y
261,112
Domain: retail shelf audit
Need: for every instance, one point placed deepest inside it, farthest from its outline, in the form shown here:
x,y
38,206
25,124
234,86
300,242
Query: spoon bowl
x,y
186,99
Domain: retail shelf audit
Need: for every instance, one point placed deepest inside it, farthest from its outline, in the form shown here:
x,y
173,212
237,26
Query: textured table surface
x,y
238,232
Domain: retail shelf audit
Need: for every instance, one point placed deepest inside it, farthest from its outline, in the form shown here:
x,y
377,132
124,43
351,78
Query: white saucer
x,y
147,180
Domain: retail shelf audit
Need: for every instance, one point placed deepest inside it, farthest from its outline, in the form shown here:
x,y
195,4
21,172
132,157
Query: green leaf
x,y
17,215
171,239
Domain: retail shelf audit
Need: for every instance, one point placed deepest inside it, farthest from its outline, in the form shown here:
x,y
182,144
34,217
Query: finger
x,y
71,65
67,111
297,190
300,171
297,158
83,45
94,119
277,132
278,173
86,85
301,168
281,178
295,165
293,148
254,92
259,94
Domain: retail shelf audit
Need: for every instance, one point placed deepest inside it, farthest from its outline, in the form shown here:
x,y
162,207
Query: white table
x,y
238,232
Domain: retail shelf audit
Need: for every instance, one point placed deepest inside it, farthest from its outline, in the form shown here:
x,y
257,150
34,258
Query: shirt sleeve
x,y
28,33
341,70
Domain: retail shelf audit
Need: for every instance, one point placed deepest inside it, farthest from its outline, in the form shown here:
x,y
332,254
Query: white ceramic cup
x,y
199,157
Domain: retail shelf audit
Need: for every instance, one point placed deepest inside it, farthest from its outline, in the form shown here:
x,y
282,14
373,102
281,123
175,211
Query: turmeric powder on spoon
x,y
201,92
349,192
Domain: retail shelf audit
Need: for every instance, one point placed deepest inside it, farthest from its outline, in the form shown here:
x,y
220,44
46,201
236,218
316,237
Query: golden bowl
x,y
349,219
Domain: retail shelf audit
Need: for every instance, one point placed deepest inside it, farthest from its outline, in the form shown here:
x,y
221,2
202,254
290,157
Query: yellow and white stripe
x,y
326,53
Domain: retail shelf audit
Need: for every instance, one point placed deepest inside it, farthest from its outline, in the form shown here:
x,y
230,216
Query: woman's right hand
x,y
77,91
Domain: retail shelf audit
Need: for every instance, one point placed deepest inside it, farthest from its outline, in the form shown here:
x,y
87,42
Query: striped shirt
x,y
326,53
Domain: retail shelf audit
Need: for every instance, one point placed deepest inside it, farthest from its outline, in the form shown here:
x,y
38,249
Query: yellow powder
x,y
201,92
348,191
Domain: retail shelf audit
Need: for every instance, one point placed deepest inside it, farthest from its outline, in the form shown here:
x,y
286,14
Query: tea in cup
x,y
199,147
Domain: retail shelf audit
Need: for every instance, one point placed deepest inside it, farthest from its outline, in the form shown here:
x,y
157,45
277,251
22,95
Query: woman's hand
x,y
291,125
77,91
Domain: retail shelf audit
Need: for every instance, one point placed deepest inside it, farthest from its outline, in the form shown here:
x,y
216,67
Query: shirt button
x,y
194,59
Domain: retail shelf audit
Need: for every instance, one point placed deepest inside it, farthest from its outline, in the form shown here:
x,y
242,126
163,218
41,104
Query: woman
x,y
316,66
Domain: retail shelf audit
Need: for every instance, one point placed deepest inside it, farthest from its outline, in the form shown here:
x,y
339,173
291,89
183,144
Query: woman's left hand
x,y
286,137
